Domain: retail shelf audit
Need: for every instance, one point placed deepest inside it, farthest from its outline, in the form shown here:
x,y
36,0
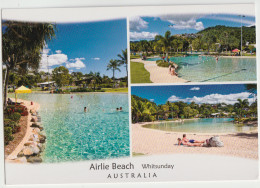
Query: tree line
x,y
144,110
212,39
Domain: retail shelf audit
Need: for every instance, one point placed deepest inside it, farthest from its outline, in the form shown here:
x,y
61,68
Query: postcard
x,y
139,94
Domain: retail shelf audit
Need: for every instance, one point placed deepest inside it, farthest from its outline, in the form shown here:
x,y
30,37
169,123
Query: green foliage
x,y
12,124
8,135
144,110
15,116
162,64
87,90
61,76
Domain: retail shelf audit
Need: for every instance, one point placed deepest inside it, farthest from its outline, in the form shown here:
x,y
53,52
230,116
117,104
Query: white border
x,y
89,3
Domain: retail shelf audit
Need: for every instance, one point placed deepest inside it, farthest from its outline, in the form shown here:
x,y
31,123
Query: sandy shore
x,y
159,74
151,141
28,131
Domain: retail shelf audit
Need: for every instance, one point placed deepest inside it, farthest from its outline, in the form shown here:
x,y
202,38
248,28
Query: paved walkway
x,y
159,74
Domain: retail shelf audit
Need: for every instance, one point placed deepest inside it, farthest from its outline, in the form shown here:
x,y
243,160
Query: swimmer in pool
x,y
85,109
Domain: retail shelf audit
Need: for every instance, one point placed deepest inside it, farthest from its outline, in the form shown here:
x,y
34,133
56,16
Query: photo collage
x,y
181,85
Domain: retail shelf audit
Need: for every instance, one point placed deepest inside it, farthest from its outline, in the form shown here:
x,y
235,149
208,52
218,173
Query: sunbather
x,y
181,142
185,139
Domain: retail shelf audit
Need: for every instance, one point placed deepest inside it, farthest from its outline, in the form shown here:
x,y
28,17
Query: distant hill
x,y
249,34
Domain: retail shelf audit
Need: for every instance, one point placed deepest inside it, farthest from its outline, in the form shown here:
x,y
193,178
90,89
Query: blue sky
x,y
148,27
86,47
228,93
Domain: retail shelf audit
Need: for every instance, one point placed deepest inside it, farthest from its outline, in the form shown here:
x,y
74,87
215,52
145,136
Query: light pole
x,y
241,32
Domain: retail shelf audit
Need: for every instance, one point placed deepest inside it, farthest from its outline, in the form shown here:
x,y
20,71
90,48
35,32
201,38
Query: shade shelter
x,y
21,89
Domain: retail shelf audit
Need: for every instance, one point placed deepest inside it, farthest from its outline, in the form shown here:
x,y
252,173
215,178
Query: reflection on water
x,y
72,134
207,69
210,125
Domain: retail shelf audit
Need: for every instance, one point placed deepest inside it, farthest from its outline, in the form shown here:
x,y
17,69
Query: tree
x,y
95,78
240,107
61,76
123,61
113,64
22,44
165,41
209,38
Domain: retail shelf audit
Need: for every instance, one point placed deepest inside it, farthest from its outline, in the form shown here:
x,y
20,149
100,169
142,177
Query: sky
x,y
85,47
148,27
211,94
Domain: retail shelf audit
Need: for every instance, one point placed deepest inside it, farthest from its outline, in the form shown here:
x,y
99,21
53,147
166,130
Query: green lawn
x,y
139,74
121,90
137,154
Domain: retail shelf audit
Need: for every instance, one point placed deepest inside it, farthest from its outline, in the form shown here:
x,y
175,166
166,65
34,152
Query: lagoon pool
x,y
207,69
207,125
73,135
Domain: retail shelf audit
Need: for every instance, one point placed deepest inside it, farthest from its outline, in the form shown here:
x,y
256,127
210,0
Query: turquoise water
x,y
210,125
207,69
74,135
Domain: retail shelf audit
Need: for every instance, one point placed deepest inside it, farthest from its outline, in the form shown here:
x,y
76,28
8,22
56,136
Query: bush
x,y
87,90
15,116
8,135
163,64
13,125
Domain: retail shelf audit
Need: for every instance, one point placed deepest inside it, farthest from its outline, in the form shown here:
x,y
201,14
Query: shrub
x,y
8,135
13,125
15,116
159,61
163,64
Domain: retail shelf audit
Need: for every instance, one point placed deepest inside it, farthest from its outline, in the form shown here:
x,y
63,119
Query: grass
x,y
135,56
139,74
137,154
119,90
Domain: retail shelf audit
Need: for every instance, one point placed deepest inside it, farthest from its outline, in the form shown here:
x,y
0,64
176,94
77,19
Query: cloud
x,y
96,58
58,51
195,89
232,19
78,64
142,35
186,21
152,100
215,98
51,60
137,24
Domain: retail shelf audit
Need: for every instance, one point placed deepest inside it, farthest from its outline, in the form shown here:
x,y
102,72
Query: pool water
x,y
207,69
73,135
207,125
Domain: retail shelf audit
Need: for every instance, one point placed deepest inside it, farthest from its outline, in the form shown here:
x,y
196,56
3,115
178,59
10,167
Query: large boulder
x,y
20,160
34,159
27,151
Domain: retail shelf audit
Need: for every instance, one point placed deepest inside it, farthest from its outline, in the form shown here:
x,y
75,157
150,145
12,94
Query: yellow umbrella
x,y
21,89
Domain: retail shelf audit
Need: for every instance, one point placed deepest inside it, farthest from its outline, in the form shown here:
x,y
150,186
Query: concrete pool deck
x,y
159,74
152,141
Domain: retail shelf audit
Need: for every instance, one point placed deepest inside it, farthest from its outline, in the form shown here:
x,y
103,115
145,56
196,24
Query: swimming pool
x,y
74,135
207,69
207,125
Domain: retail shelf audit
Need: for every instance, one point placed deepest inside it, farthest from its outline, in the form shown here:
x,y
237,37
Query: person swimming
x,y
85,109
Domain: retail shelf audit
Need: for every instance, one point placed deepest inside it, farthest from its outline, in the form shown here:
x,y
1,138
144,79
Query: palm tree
x,y
123,61
240,106
95,78
22,45
165,41
113,64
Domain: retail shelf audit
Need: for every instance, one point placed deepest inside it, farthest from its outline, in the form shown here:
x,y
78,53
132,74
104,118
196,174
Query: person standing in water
x,y
85,109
